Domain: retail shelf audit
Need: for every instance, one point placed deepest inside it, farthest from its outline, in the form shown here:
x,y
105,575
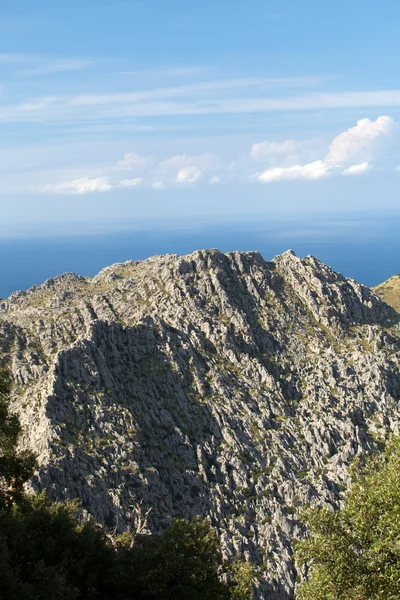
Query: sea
x,y
365,247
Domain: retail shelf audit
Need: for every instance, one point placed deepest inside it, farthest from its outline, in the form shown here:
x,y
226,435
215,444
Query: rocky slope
x,y
218,384
389,291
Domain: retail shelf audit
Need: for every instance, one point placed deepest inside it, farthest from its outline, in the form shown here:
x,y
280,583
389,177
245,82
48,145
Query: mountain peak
x,y
214,384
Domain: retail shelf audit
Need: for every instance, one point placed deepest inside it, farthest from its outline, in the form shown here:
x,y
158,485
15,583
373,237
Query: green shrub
x,y
354,553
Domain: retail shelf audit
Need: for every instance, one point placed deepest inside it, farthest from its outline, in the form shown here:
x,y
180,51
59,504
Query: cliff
x,y
214,384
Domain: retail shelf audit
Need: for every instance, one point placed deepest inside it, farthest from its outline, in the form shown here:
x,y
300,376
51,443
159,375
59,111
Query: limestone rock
x,y
214,384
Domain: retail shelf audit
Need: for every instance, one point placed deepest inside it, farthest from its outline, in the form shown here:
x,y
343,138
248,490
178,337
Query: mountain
x,y
389,291
214,384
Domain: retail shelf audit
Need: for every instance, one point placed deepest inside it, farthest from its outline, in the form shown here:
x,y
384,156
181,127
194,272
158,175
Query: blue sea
x,y
364,247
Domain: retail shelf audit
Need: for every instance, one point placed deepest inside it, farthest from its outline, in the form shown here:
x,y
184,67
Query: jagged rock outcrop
x,y
214,384
389,291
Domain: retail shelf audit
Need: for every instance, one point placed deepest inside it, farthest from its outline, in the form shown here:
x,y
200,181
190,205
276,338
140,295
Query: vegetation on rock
x,y
49,552
213,384
389,291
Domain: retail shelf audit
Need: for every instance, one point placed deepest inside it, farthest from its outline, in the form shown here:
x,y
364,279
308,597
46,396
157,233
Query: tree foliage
x,y
47,552
354,553
240,576
183,563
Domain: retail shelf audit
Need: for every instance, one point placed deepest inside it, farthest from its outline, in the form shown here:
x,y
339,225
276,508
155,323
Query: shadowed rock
x,y
214,384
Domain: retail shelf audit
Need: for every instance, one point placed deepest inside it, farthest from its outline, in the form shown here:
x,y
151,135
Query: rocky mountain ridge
x,y
389,291
214,384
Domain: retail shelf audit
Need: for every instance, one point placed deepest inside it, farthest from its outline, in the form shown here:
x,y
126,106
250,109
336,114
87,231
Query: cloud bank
x,y
350,153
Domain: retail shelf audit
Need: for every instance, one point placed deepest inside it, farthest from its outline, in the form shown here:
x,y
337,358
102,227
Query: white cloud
x,y
133,160
188,174
315,170
129,183
158,185
357,169
358,142
82,186
214,180
265,149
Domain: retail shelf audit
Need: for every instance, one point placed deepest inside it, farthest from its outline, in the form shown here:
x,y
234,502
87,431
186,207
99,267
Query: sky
x,y
120,110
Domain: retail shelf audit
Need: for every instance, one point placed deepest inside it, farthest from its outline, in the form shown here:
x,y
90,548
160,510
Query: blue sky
x,y
121,110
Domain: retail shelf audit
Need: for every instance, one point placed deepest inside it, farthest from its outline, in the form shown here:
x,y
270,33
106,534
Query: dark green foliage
x,y
46,552
183,563
355,553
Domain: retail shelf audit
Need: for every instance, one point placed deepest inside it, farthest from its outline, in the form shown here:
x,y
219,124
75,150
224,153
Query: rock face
x,y
214,384
389,291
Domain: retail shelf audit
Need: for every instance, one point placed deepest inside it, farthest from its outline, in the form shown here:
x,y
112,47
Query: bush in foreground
x,y
354,553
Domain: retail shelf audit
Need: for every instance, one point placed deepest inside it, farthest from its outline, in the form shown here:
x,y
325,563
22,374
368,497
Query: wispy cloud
x,y
188,90
231,96
158,185
130,183
15,58
203,162
57,66
134,161
165,72
262,150
42,65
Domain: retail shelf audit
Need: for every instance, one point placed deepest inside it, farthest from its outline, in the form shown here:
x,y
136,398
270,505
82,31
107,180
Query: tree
x,y
15,467
48,552
184,562
241,577
354,553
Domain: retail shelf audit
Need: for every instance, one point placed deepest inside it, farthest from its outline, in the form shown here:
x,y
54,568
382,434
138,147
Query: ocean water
x,y
364,247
